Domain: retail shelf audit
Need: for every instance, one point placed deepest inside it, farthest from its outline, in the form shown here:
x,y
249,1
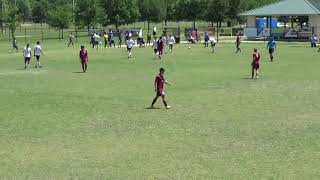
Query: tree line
x,y
90,13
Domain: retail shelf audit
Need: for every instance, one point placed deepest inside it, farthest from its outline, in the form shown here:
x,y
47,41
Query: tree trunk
x,y
218,30
148,26
62,33
194,24
88,28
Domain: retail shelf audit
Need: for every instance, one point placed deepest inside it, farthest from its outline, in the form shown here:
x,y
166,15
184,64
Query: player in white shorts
x,y
27,56
37,53
171,41
130,43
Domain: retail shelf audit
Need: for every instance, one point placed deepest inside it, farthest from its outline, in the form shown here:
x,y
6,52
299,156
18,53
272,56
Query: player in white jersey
x,y
96,38
37,53
155,48
213,44
171,41
130,43
165,42
27,56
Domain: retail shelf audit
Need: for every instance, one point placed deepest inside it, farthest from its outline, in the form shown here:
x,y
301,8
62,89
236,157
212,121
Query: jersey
x,y
272,44
37,50
160,83
155,44
83,55
171,40
130,43
256,58
96,38
27,52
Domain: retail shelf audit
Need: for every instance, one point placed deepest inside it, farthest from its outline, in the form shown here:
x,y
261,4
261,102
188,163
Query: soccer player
x,y
96,40
155,48
105,38
37,53
159,88
255,64
271,46
160,46
154,31
84,59
213,43
238,42
71,39
206,39
15,44
130,43
27,56
171,41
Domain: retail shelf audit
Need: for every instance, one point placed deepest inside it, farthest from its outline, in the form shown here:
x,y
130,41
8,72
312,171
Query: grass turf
x,y
57,123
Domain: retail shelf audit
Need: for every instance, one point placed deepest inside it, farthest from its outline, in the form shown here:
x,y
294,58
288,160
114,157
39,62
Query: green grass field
x,y
57,123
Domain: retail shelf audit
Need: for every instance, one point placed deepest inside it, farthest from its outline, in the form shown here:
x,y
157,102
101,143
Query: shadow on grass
x,y
149,108
79,72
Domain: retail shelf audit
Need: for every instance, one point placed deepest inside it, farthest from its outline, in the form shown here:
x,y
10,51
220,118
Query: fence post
x,y
76,34
42,34
25,35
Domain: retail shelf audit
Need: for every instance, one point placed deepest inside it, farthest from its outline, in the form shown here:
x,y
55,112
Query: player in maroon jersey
x,y
255,64
84,59
159,88
238,42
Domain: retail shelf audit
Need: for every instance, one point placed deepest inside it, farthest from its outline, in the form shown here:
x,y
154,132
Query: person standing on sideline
x,y
255,64
206,39
84,59
272,45
148,38
105,38
130,43
37,53
119,39
159,89
27,52
313,41
238,43
71,39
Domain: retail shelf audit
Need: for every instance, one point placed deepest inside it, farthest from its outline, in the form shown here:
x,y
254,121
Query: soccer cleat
x,y
168,107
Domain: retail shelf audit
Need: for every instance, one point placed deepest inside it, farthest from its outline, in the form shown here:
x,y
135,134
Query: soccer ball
x,y
189,47
9,51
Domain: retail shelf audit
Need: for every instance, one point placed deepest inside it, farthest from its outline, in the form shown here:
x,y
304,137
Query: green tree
x,y
39,11
119,12
59,16
190,10
24,9
152,11
11,16
217,13
88,13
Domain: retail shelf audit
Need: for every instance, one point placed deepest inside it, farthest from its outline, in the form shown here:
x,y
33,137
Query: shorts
x,y
27,59
84,61
96,43
155,51
271,50
38,57
206,40
160,93
154,33
129,49
256,66
112,42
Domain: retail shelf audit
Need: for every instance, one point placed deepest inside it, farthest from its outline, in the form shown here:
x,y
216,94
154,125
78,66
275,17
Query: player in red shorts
x,y
84,59
255,64
159,87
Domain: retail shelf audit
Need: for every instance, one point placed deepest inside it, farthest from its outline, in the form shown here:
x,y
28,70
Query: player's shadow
x,y
149,108
79,72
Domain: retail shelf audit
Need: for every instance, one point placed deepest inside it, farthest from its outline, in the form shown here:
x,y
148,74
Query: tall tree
x,y
119,12
39,11
87,13
190,10
24,9
59,15
217,13
12,18
152,11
